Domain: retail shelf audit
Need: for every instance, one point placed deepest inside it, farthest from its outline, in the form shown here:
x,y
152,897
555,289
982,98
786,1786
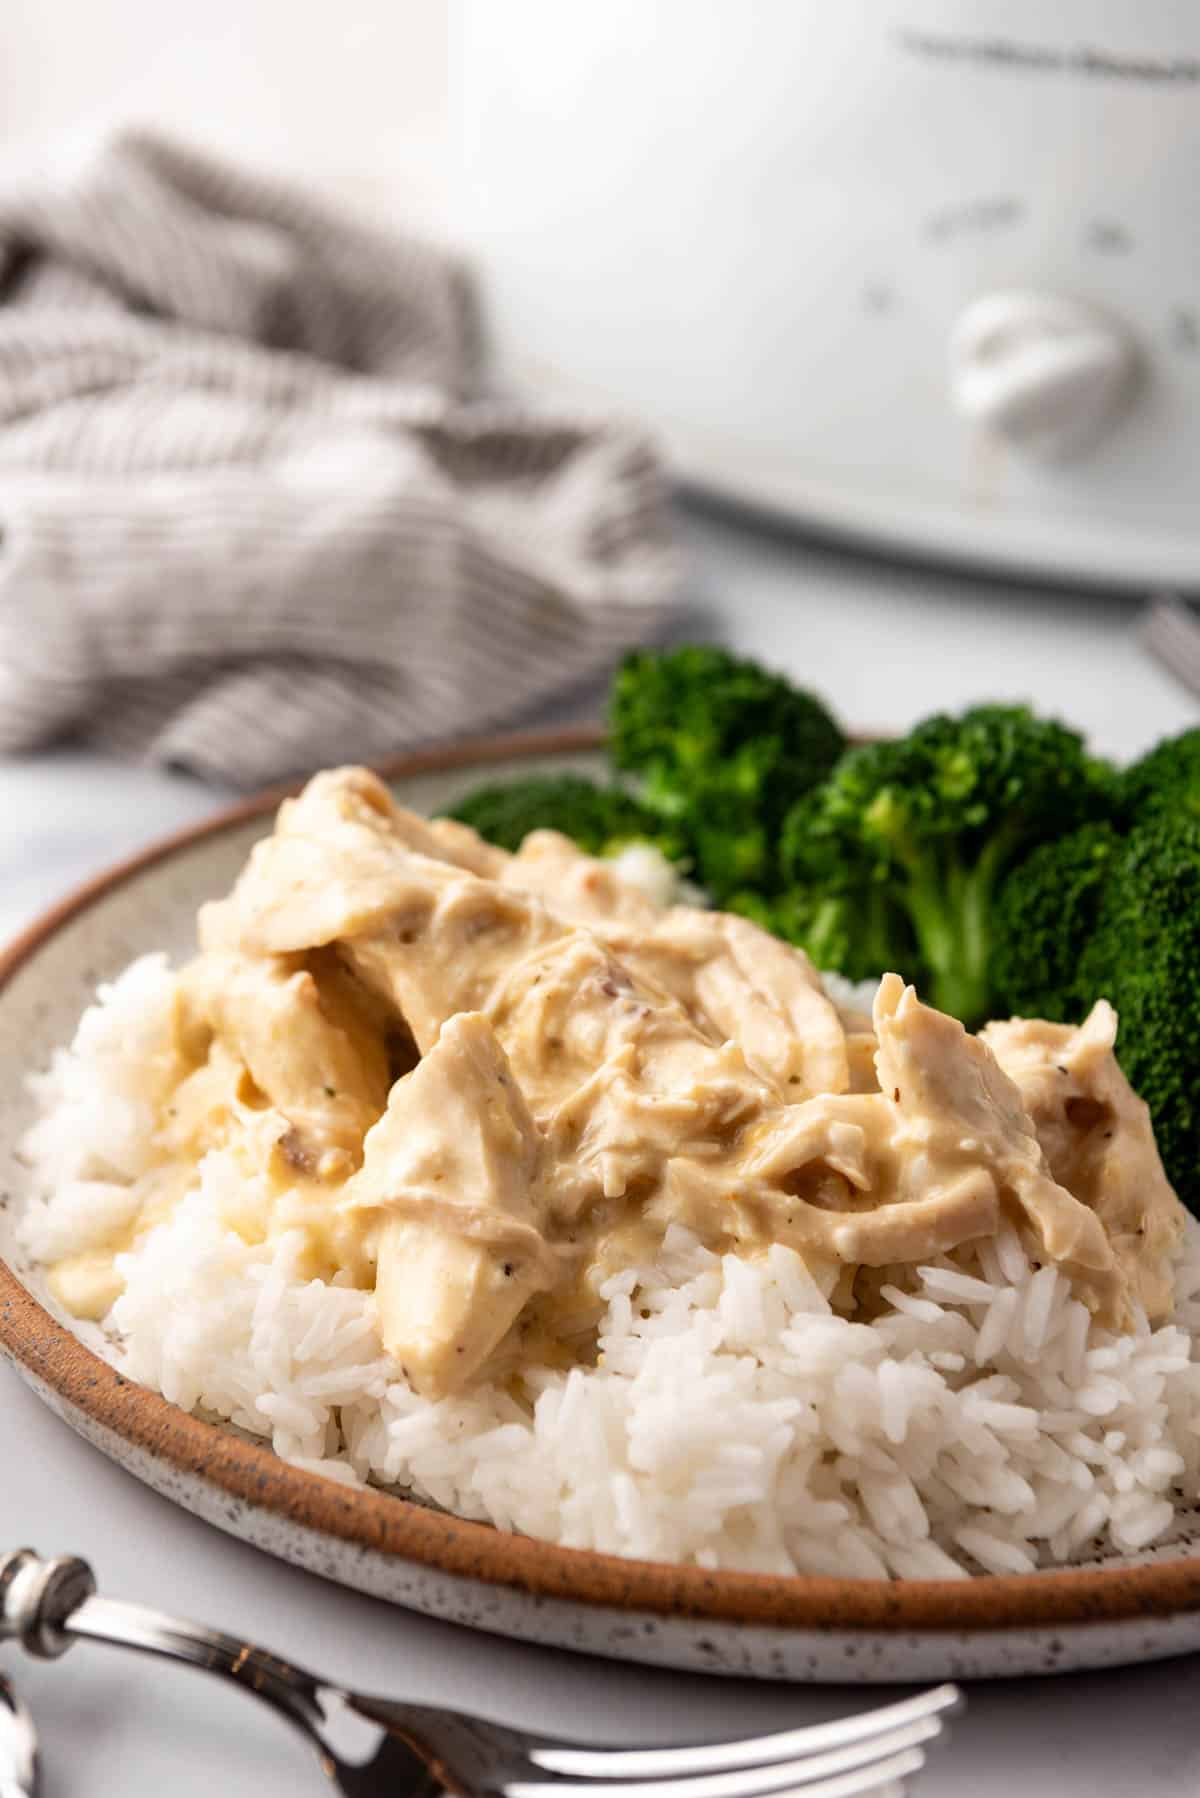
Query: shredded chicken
x,y
1097,1139
457,1141
591,1068
736,982
306,1046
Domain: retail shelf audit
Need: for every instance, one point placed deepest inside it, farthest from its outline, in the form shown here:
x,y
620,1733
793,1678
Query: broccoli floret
x,y
1166,781
835,906
722,748
1043,919
1144,956
601,819
936,819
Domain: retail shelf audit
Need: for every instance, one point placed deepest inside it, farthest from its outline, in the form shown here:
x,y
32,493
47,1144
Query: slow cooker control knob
x,y
1047,373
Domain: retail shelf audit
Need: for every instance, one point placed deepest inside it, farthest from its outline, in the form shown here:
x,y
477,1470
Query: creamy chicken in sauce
x,y
481,1083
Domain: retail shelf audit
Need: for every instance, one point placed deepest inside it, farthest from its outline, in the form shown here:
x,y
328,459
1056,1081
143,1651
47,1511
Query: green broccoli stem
x,y
950,905
874,934
822,938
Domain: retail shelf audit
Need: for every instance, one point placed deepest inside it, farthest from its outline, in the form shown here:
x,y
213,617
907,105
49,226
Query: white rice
x,y
981,1423
850,995
643,866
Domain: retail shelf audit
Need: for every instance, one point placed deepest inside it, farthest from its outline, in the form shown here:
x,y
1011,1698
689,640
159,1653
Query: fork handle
x,y
48,1605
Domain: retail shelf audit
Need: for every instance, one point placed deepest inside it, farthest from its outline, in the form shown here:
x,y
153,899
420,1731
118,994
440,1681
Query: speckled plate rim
x,y
384,1524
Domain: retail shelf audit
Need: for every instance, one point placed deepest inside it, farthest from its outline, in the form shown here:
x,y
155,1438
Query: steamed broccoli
x,y
833,905
1144,956
936,819
1047,907
1165,781
599,818
722,748
1044,917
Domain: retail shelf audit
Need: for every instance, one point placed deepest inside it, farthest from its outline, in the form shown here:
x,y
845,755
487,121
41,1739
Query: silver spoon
x,y
18,1746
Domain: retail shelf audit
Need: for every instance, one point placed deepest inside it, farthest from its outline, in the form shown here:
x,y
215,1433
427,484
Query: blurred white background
x,y
353,95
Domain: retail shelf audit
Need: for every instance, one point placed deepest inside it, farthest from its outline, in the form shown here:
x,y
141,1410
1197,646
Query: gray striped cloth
x,y
254,516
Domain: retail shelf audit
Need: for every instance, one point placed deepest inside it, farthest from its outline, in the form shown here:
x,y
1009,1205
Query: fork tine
x,y
801,1775
879,1777
891,1774
755,1751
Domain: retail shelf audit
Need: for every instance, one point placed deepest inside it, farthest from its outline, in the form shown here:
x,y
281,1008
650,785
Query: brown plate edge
x,y
396,1526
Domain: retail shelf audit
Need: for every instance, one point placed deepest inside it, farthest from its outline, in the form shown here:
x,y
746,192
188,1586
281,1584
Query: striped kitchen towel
x,y
255,512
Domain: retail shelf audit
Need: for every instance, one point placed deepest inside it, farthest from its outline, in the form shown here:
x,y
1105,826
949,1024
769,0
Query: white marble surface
x,y
886,645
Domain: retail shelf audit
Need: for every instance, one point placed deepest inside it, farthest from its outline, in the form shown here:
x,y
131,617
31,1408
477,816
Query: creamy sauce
x,y
88,1285
480,1083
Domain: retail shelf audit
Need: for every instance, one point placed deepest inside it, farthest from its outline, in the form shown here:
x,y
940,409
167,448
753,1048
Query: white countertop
x,y
886,646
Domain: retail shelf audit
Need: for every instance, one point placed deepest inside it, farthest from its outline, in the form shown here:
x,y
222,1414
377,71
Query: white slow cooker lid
x,y
925,277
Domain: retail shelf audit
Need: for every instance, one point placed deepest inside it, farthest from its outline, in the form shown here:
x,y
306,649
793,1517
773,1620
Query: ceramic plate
x,y
798,1628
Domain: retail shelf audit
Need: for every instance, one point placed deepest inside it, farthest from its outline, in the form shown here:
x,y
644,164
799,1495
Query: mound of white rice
x,y
732,1419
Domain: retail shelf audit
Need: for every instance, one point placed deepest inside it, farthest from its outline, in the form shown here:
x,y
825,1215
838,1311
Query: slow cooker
x,y
927,274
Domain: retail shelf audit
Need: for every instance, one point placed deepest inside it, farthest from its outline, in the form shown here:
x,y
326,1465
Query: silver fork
x,y
376,1748
1170,629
